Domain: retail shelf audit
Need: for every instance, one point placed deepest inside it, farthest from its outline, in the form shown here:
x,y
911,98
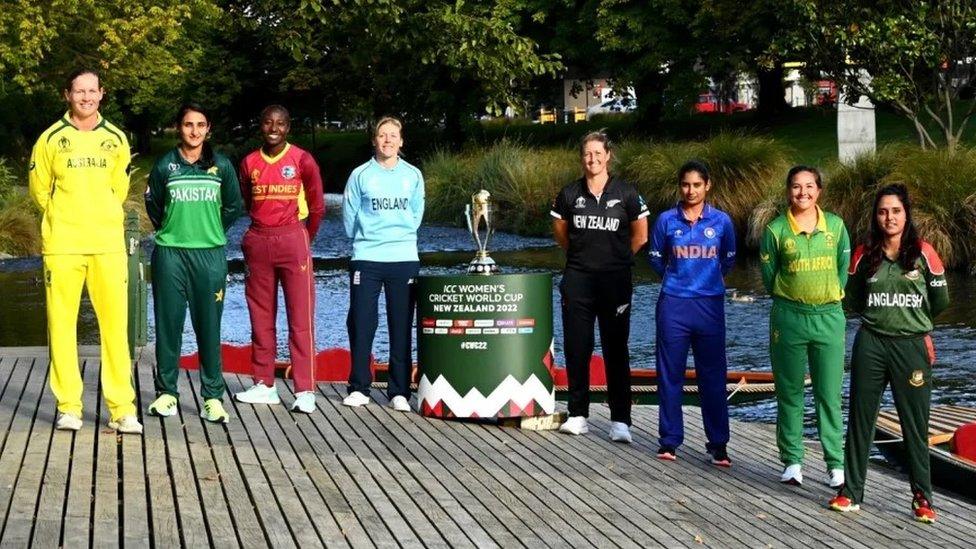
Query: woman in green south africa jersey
x,y
192,199
805,253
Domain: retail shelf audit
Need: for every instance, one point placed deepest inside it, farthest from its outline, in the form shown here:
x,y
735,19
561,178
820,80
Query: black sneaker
x,y
720,457
667,453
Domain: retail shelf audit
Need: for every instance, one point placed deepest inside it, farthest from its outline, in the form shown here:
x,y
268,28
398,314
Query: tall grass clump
x,y
522,181
19,226
745,171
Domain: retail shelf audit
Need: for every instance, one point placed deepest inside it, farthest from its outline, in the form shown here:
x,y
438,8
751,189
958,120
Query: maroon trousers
x,y
282,254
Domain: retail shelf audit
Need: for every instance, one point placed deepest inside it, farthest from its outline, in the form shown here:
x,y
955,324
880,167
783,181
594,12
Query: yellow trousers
x,y
106,277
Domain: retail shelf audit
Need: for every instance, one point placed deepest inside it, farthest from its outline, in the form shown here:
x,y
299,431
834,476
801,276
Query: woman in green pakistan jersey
x,y
898,286
192,199
805,253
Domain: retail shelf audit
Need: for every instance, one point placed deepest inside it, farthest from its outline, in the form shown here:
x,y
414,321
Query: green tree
x,y
915,56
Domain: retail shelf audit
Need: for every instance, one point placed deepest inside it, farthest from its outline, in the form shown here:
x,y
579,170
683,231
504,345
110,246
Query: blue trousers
x,y
699,324
396,279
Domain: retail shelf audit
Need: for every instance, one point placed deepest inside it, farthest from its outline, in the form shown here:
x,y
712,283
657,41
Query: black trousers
x,y
604,297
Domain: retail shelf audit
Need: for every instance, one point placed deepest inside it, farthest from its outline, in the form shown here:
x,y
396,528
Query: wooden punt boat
x,y
332,365
949,470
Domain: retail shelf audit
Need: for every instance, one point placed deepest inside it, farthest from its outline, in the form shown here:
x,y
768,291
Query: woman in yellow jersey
x,y
79,180
805,253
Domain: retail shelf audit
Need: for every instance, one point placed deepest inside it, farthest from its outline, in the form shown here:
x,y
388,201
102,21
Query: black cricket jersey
x,y
599,229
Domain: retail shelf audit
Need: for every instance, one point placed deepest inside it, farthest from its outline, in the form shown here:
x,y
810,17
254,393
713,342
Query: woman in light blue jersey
x,y
382,210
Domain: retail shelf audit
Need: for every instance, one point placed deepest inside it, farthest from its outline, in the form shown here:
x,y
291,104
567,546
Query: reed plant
x,y
19,226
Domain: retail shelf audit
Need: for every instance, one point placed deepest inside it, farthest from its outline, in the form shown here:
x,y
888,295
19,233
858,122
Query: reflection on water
x,y
447,250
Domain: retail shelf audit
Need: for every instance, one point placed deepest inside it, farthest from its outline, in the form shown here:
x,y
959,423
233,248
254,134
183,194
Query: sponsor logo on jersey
x,y
596,222
917,379
87,162
219,295
355,278
580,202
709,232
913,274
388,203
880,299
109,145
694,252
612,203
938,283
764,258
64,145
288,172
32,165
622,308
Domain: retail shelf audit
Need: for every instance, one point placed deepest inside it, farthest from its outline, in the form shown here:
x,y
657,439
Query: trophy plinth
x,y
481,209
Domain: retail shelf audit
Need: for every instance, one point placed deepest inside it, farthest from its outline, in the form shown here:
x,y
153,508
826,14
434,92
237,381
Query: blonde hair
x,y
599,136
387,120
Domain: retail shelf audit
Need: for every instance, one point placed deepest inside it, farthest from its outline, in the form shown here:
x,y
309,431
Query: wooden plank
x,y
106,513
16,415
54,490
245,520
216,513
483,527
190,513
78,510
163,515
331,515
393,486
22,512
441,511
133,480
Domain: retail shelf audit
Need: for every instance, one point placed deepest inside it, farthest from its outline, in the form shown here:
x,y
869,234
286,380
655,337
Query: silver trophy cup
x,y
481,209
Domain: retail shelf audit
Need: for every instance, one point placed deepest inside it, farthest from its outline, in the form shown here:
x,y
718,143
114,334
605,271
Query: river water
x,y
447,250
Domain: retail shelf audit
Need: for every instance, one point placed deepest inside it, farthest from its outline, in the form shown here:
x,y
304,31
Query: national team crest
x,y
580,202
288,172
678,233
612,203
709,232
913,274
829,240
109,145
917,379
255,174
173,166
213,170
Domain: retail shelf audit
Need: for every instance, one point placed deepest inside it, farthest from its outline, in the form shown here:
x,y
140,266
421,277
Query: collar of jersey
x,y
821,221
611,180
99,124
384,168
704,213
277,157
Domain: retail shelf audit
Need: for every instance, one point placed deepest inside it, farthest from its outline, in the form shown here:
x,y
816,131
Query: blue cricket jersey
x,y
692,258
381,211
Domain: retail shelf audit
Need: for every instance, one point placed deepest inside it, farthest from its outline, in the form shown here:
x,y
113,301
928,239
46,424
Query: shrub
x,y
19,226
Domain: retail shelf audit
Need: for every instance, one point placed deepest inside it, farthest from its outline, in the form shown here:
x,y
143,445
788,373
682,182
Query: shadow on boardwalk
x,y
374,477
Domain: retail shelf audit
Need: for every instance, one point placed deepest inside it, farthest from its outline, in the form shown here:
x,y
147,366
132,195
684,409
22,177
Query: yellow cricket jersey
x,y
80,180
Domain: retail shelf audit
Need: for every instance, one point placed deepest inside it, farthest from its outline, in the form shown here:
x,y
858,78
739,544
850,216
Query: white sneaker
x,y
575,425
620,432
304,402
835,478
68,422
355,399
126,424
259,393
400,404
793,474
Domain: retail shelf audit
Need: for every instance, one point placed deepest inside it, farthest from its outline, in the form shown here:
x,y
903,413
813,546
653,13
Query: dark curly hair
x,y
911,245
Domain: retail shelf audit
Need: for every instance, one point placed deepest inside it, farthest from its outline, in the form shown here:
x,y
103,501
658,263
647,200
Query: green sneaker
x,y
164,406
213,410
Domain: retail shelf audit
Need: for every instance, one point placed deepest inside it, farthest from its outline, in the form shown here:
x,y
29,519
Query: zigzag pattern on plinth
x,y
476,404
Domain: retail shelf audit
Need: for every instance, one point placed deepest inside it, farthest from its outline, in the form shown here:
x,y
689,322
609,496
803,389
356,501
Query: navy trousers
x,y
396,279
699,324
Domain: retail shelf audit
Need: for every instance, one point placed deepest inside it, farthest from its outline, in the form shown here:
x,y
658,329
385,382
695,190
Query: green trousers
x,y
194,277
903,362
800,335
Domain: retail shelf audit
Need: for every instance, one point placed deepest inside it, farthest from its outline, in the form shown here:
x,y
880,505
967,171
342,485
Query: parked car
x,y
709,102
615,105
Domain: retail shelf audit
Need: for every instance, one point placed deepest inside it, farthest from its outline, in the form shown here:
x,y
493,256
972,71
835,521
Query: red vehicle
x,y
826,93
709,102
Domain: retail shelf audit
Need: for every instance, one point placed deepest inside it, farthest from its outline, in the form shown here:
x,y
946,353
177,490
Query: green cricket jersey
x,y
808,268
193,205
895,302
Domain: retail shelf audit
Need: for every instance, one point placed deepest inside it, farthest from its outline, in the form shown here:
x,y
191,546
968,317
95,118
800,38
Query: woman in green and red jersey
x,y
804,254
898,286
192,199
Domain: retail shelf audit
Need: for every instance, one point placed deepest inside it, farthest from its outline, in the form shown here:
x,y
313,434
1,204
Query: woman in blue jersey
x,y
692,248
381,210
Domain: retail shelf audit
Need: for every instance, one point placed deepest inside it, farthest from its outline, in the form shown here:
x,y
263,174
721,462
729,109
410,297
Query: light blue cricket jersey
x,y
382,210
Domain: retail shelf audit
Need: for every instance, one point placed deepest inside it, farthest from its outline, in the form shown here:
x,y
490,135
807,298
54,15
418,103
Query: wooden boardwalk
x,y
373,477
